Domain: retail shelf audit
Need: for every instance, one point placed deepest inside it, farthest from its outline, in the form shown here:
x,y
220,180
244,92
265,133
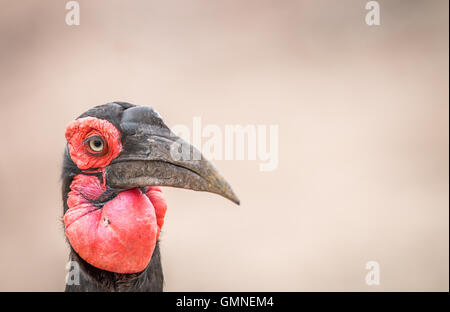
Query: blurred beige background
x,y
363,146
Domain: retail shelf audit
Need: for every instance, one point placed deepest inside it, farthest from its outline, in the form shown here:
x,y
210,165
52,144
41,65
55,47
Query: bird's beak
x,y
151,157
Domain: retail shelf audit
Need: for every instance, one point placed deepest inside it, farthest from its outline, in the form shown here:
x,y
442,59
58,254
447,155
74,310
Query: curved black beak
x,y
153,155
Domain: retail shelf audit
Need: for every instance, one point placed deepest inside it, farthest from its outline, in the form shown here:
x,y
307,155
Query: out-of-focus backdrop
x,y
363,136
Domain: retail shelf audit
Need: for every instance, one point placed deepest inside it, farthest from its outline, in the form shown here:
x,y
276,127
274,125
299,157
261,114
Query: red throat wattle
x,y
119,237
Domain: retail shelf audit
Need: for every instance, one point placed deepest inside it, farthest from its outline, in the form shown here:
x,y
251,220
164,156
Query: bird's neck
x,y
93,279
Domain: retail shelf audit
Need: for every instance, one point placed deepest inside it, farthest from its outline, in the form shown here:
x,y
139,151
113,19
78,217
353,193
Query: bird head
x,y
117,156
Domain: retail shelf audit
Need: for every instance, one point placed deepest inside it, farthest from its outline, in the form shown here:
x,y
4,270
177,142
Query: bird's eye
x,y
96,144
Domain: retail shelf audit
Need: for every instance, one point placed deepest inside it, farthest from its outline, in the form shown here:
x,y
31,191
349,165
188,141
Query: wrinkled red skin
x,y
81,129
120,236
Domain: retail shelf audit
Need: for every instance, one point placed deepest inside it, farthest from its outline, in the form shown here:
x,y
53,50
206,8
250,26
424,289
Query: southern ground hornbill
x,y
116,156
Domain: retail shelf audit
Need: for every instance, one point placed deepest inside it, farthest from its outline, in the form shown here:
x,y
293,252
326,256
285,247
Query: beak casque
x,y
153,155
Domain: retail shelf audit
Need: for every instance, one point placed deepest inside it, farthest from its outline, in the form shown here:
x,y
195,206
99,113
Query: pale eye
x,y
96,144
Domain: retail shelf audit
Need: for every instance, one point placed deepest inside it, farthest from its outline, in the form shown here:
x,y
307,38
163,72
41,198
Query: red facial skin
x,y
120,236
81,129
